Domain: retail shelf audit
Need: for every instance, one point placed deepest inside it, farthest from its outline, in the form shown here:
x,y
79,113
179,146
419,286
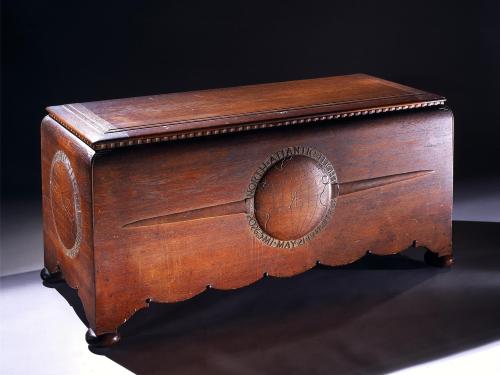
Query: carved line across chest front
x,y
232,207
290,198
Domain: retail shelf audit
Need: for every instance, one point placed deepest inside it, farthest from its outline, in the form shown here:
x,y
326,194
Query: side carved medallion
x,y
291,197
65,204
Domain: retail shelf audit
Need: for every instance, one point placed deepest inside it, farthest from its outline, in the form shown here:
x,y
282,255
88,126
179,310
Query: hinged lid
x,y
148,119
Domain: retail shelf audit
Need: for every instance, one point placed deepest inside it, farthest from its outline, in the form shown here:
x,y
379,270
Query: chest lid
x,y
149,119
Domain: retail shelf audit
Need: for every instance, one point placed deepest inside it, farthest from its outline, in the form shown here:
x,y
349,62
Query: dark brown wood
x,y
101,341
51,277
66,158
127,224
242,207
149,119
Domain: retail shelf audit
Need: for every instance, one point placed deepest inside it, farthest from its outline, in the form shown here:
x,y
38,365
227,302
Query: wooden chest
x,y
157,198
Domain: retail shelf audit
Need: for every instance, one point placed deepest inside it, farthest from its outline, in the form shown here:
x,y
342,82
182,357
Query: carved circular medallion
x,y
291,197
65,203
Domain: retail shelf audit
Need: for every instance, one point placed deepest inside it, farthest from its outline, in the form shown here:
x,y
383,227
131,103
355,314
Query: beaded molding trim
x,y
241,128
68,128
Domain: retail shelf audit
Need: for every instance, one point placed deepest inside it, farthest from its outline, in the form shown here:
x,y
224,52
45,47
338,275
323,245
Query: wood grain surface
x,y
162,221
68,235
172,261
158,118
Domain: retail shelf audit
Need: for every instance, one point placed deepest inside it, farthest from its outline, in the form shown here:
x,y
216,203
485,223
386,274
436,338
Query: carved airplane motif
x,y
242,206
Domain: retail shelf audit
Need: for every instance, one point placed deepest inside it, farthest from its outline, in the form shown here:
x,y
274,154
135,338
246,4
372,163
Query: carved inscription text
x,y
291,197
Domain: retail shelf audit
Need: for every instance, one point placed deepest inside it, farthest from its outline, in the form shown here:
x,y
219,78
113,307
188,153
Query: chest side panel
x,y
67,210
171,219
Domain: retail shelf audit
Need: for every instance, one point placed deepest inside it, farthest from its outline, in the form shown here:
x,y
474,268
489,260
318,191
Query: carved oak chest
x,y
157,198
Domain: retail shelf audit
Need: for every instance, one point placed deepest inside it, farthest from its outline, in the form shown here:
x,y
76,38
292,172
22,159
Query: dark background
x,y
56,52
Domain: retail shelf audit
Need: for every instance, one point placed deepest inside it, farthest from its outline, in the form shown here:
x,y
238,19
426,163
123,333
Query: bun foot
x,y
50,278
101,341
433,259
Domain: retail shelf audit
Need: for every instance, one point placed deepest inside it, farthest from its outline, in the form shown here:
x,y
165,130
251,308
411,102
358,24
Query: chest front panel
x,y
223,211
